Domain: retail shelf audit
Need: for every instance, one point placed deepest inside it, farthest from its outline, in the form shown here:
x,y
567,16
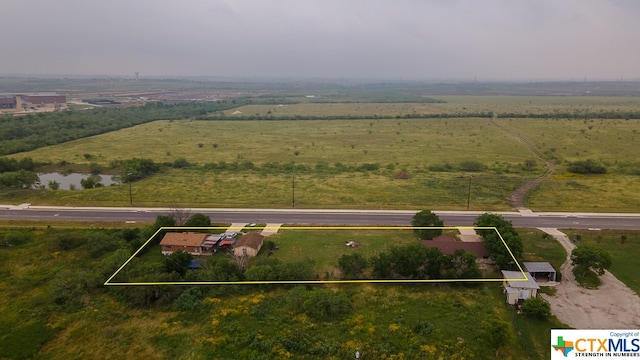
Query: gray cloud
x,y
425,39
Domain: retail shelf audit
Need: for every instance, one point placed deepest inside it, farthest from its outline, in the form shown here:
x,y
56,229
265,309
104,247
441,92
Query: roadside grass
x,y
197,188
625,253
589,193
538,247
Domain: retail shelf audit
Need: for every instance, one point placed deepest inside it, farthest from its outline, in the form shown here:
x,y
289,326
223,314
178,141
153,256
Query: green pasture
x,y
610,141
539,104
429,151
624,247
199,188
453,105
414,143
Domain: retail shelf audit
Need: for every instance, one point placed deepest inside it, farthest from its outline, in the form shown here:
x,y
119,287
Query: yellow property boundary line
x,y
367,281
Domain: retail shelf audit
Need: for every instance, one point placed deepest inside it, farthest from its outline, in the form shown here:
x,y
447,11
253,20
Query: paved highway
x,y
321,217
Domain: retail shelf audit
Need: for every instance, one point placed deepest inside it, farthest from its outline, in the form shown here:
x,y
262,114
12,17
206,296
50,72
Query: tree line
x,y
575,115
218,116
28,132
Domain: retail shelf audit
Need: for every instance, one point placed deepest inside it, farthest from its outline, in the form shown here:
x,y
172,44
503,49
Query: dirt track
x,y
612,306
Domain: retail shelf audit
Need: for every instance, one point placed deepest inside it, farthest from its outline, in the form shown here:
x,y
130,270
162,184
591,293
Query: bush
x,y
352,265
471,166
326,304
586,167
190,300
536,308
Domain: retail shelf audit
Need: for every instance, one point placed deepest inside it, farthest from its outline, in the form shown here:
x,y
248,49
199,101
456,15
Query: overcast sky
x,y
383,39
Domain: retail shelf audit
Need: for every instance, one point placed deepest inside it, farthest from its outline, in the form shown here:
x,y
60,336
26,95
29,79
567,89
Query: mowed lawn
x,y
324,247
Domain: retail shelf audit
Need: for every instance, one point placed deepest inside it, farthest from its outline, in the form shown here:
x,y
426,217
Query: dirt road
x,y
612,306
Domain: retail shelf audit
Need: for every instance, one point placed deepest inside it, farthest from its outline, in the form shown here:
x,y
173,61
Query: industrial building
x,y
32,102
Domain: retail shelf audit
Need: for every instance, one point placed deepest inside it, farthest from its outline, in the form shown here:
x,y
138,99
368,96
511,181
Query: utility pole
x,y
293,190
469,194
130,194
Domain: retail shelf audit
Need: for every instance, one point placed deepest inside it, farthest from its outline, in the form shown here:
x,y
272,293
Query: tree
x,y
178,262
426,218
462,265
591,258
198,220
493,241
23,179
497,333
536,308
352,265
53,185
93,181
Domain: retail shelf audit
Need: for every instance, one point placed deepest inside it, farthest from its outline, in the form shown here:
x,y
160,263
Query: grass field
x,y
430,151
412,144
624,247
538,247
453,105
182,188
253,322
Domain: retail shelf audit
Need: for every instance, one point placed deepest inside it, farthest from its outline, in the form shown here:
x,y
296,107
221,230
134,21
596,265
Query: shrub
x,y
471,166
326,304
586,167
536,308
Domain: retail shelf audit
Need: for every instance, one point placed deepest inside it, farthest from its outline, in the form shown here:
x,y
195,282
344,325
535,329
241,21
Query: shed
x,y
514,282
541,271
248,244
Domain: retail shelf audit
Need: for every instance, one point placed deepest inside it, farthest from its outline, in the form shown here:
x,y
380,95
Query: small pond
x,y
72,181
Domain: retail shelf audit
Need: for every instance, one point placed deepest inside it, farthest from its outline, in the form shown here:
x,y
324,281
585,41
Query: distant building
x,y
7,102
32,102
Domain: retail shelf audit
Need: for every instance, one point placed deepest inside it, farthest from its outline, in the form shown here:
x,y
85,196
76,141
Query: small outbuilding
x,y
516,288
248,244
541,271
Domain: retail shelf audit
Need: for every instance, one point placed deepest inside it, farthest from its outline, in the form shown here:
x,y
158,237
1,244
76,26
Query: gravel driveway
x,y
612,306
